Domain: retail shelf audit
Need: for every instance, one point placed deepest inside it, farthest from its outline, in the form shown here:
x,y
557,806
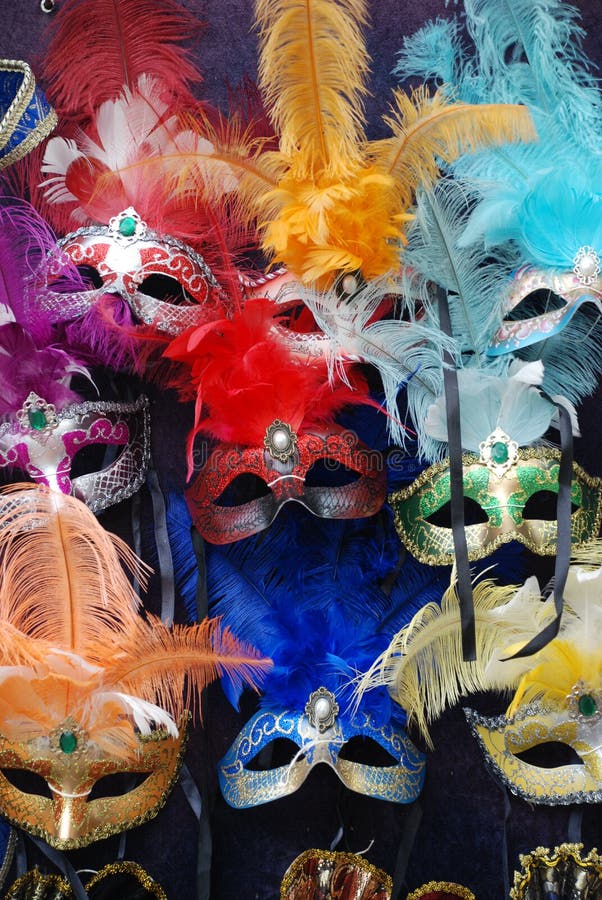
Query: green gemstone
x,y
127,226
67,742
37,419
587,705
499,453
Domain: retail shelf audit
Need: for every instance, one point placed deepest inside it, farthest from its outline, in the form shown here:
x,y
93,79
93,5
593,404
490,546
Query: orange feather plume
x,y
74,643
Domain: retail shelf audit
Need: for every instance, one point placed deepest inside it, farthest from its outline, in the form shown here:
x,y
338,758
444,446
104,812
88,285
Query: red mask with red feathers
x,y
272,412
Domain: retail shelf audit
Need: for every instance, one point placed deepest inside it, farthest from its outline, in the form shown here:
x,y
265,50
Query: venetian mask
x,y
508,488
576,724
320,733
43,443
67,814
332,474
165,283
565,293
113,882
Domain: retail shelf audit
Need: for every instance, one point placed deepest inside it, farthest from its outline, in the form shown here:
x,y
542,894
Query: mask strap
x,y
563,541
21,865
201,597
60,861
575,823
456,478
164,557
136,525
406,845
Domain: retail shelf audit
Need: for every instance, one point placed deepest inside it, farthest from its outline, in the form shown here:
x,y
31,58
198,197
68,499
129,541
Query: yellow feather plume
x,y
427,129
312,70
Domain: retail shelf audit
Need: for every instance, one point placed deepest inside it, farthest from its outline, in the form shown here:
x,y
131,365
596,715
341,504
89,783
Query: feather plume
x,y
433,53
429,128
74,642
74,573
423,666
404,353
317,107
98,47
246,375
531,52
341,617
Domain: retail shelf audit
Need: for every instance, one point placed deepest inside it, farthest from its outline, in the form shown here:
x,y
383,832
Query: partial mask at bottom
x,y
114,882
324,875
565,873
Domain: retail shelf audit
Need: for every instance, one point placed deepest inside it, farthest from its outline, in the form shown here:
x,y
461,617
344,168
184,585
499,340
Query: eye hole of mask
x,y
277,753
535,304
550,755
91,275
473,514
28,782
165,288
330,472
368,752
542,505
117,784
243,489
94,458
13,475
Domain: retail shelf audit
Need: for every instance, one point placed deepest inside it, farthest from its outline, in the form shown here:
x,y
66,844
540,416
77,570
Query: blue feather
x,y
311,598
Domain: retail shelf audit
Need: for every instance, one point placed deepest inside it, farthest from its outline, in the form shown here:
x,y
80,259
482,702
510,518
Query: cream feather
x,y
424,668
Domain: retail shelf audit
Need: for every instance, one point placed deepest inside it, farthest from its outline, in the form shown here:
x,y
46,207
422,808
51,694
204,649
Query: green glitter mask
x,y
506,497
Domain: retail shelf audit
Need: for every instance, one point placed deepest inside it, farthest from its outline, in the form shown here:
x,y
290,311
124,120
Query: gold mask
x,y
71,766
502,492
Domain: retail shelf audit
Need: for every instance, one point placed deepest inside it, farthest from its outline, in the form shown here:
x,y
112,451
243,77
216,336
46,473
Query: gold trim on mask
x,y
34,884
584,872
502,498
298,884
448,887
69,820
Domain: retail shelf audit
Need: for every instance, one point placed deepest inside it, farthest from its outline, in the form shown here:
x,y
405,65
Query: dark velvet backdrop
x,y
466,819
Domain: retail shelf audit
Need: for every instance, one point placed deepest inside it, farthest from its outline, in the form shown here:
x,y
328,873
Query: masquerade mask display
x,y
562,873
26,117
43,443
320,734
114,882
82,671
324,875
165,283
507,504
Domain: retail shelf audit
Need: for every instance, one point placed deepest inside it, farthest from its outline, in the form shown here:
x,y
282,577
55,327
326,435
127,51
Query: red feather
x,y
98,47
244,375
